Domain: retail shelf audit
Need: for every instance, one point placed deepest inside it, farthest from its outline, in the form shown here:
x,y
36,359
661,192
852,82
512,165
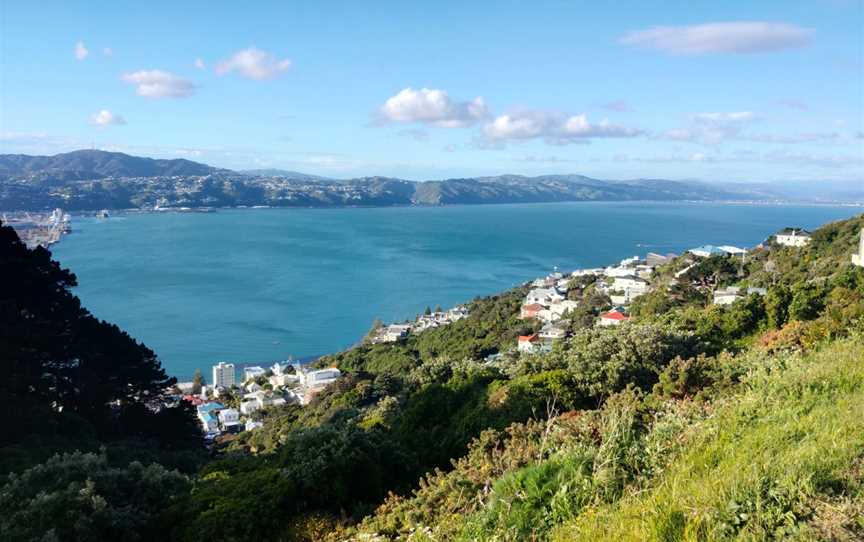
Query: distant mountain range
x,y
98,164
91,180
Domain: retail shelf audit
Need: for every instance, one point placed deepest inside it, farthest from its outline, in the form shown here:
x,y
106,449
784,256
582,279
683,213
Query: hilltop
x,y
95,164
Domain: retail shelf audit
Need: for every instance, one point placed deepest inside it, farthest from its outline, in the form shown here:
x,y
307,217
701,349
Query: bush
x,y
79,496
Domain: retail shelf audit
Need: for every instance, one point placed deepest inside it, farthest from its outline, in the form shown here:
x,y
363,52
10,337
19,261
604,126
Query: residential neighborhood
x,y
227,407
431,319
549,299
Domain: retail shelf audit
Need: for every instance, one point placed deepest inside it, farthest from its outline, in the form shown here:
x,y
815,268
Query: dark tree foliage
x,y
713,271
64,368
55,350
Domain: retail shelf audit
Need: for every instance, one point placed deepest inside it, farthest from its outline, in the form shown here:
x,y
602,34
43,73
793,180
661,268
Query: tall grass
x,y
758,467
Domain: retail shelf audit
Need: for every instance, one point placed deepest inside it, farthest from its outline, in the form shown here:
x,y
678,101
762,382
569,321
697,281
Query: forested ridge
x,y
692,421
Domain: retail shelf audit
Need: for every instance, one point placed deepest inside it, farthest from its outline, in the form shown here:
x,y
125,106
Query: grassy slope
x,y
777,461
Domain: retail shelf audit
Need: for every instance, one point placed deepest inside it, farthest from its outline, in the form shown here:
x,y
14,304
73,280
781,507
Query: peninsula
x,y
91,180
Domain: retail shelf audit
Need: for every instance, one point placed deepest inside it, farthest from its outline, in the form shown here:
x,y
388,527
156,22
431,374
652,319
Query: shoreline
x,y
179,210
332,346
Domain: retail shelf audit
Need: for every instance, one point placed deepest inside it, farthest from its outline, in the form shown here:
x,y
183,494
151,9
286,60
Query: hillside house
x,y
229,420
543,296
792,237
321,377
706,251
613,318
530,311
251,373
731,294
207,415
552,332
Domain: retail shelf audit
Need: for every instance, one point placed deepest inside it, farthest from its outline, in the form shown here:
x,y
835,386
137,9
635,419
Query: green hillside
x,y
692,421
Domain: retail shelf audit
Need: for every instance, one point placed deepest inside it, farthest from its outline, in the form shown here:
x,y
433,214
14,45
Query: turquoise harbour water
x,y
258,285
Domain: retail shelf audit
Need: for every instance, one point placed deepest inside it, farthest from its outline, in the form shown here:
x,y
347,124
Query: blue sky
x,y
738,91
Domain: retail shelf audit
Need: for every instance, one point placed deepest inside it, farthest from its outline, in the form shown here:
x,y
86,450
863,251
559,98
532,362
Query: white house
x,y
543,296
284,379
618,271
732,250
552,332
321,378
792,237
283,375
392,333
224,375
858,259
706,251
731,294
630,282
249,406
252,387
457,313
251,373
229,419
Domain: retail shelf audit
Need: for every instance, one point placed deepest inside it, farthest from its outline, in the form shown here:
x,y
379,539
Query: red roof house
x,y
613,318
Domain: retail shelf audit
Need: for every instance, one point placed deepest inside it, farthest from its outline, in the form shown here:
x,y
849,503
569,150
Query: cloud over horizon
x,y
711,128
554,127
252,63
159,84
432,106
742,37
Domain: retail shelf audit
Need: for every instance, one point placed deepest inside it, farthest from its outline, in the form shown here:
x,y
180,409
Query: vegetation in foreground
x,y
691,422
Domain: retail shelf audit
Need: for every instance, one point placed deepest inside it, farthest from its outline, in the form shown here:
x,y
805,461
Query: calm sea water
x,y
259,285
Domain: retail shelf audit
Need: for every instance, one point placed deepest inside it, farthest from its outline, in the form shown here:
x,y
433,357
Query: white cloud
x,y
107,51
552,126
81,51
106,118
432,106
712,128
811,137
742,37
199,63
159,84
253,63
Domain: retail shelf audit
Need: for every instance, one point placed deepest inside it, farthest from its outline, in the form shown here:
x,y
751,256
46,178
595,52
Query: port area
x,y
39,229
